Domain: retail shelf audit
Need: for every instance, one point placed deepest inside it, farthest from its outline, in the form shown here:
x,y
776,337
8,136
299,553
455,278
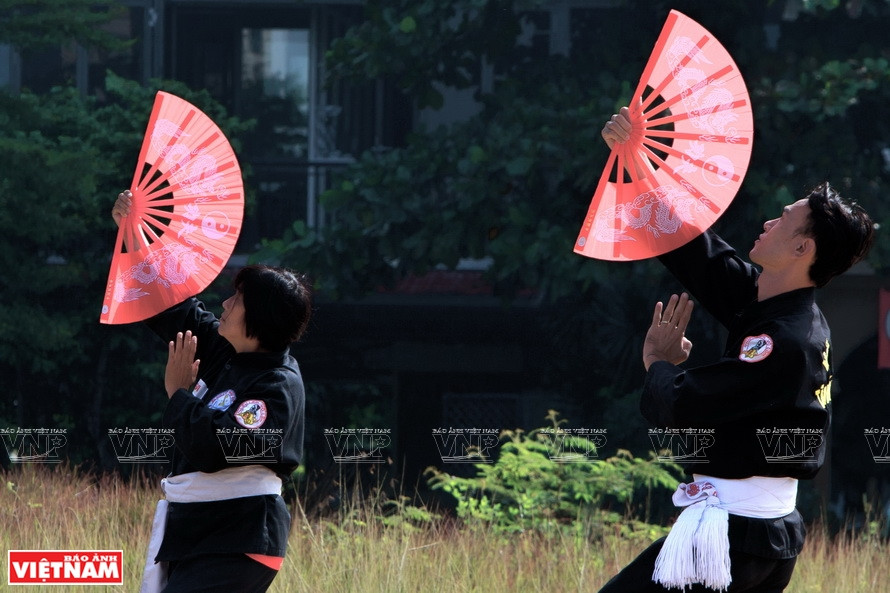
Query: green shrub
x,y
525,489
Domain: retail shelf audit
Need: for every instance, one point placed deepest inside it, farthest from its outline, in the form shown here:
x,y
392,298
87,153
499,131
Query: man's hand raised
x,y
666,339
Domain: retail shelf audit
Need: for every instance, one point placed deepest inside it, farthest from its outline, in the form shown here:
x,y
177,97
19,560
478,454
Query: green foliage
x,y
832,88
34,24
401,513
825,117
525,490
425,43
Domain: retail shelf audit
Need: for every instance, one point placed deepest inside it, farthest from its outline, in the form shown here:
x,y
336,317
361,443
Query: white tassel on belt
x,y
697,548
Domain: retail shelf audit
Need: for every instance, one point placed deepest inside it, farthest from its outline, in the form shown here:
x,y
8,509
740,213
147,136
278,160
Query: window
x,y
264,64
275,87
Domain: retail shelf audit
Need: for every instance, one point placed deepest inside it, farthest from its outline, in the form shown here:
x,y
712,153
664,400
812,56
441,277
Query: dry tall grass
x,y
57,508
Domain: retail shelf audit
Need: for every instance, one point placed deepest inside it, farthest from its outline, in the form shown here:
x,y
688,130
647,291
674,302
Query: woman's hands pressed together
x,y
182,367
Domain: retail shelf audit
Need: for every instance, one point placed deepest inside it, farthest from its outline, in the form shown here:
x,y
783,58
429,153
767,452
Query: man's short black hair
x,y
277,305
842,230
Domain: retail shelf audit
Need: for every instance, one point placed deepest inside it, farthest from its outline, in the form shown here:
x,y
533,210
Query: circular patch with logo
x,y
756,348
251,413
222,401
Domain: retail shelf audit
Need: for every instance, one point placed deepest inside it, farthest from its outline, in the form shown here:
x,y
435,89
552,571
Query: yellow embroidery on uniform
x,y
823,394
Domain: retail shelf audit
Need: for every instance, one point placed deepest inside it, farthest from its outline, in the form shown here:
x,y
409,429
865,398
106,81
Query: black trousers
x,y
219,573
750,574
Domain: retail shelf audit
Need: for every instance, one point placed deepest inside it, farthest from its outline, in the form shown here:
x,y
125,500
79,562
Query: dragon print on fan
x,y
686,153
185,218
662,210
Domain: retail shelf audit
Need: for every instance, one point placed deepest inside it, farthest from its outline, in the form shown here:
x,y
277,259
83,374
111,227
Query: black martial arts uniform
x,y
775,373
248,395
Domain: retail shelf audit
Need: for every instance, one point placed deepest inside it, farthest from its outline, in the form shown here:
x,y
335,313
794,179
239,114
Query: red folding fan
x,y
186,214
690,144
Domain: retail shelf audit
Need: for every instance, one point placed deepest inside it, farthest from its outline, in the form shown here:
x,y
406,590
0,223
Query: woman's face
x,y
231,323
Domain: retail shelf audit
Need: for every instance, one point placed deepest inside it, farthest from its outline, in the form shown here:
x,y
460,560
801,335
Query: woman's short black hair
x,y
842,230
277,305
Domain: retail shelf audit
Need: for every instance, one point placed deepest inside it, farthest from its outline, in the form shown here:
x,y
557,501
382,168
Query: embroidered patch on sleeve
x,y
823,393
222,401
200,389
756,348
251,413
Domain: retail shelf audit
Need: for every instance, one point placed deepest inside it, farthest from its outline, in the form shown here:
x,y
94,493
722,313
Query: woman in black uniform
x,y
232,386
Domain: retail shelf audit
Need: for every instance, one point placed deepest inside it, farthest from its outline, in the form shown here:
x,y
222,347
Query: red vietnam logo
x,y
75,567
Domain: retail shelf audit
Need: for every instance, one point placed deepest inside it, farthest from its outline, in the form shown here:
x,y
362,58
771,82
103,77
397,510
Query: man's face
x,y
781,236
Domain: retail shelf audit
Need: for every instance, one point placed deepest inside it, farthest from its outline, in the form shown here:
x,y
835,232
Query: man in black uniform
x,y
775,372
224,525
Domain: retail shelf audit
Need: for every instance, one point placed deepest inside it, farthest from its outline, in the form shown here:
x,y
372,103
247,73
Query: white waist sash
x,y
233,482
697,548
